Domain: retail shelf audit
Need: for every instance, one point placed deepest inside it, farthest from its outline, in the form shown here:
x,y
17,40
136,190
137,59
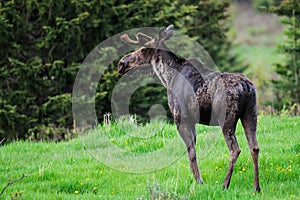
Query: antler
x,y
145,40
142,39
126,38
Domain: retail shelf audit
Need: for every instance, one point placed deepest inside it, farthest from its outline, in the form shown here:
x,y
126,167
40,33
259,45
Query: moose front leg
x,y
188,134
191,150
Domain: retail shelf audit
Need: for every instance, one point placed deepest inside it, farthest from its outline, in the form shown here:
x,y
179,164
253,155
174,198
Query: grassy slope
x,y
256,35
68,171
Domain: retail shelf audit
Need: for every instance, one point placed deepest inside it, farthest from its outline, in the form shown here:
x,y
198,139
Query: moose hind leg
x,y
234,150
187,132
249,124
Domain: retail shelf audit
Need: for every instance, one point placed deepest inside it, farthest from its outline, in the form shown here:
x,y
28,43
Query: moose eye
x,y
143,51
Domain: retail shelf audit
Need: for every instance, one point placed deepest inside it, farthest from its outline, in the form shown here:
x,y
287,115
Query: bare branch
x,y
10,182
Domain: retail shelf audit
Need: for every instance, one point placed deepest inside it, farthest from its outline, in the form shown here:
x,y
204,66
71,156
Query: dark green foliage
x,y
265,4
44,42
288,85
149,93
209,25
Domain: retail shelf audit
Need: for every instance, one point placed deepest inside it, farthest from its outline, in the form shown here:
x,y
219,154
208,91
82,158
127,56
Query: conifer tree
x,y
44,42
288,85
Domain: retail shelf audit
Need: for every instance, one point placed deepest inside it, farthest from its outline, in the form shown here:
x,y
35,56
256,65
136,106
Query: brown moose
x,y
197,94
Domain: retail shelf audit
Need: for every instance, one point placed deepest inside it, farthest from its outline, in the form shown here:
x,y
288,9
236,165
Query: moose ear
x,y
169,32
165,33
161,33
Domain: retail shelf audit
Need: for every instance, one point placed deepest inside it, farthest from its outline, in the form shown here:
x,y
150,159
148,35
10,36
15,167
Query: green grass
x,y
71,170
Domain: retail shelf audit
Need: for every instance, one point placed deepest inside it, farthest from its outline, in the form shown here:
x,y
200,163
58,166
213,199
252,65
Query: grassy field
x,y
72,170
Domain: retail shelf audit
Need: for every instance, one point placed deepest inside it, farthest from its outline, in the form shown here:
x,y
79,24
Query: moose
x,y
197,94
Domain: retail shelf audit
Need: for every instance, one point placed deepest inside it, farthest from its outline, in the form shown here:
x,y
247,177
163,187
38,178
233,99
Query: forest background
x,y
43,44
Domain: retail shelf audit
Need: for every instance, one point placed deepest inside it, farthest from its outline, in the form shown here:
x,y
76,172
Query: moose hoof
x,y
199,181
257,189
225,187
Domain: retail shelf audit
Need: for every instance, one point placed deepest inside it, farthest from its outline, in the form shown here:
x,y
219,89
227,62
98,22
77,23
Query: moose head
x,y
149,46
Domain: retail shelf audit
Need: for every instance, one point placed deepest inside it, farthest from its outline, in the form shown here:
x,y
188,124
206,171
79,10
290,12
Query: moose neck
x,y
165,65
